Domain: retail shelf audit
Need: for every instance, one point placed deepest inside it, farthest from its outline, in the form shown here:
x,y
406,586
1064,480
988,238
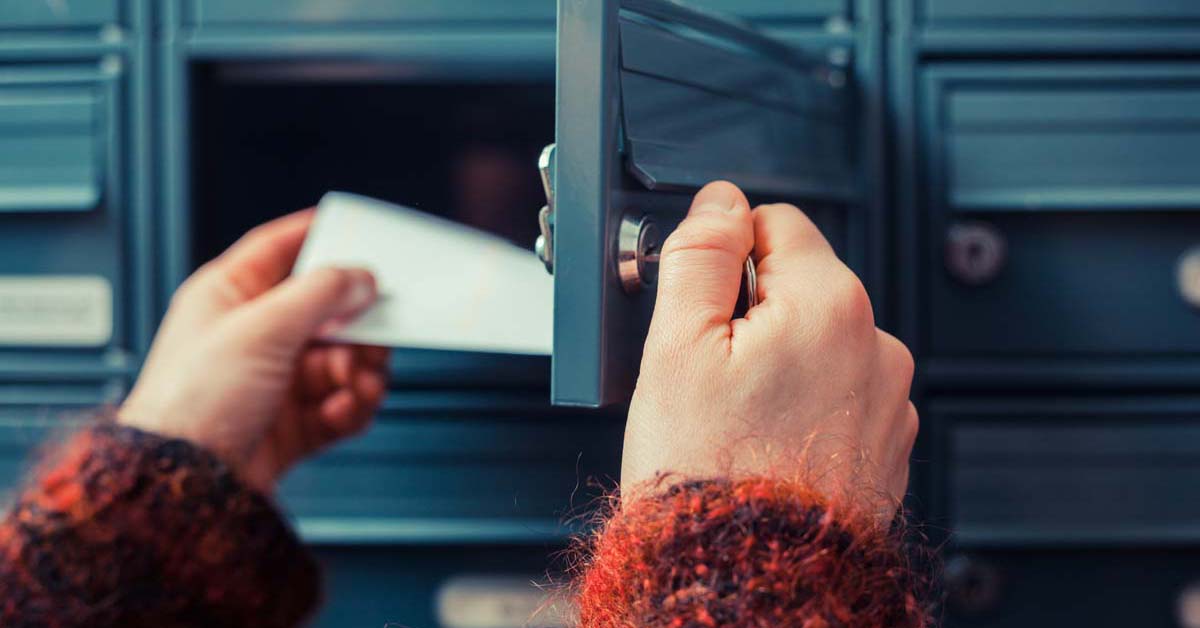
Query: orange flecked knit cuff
x,y
126,528
747,553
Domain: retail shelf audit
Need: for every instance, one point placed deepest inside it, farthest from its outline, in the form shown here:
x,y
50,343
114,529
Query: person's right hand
x,y
805,388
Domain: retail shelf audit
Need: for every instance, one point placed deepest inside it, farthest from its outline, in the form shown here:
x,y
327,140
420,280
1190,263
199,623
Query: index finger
x,y
265,255
784,235
783,229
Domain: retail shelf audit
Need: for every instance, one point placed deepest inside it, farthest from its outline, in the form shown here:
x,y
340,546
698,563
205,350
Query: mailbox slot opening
x,y
270,138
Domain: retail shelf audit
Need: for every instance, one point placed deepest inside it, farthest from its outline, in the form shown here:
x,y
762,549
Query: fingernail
x,y
362,291
716,198
329,328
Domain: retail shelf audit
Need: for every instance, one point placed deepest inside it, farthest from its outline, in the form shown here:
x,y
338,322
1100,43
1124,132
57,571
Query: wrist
x,y
136,413
155,418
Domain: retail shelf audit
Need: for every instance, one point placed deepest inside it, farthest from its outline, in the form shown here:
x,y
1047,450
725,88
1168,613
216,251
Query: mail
x,y
442,285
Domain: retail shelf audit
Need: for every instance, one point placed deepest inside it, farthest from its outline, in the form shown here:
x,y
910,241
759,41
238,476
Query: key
x,y
751,276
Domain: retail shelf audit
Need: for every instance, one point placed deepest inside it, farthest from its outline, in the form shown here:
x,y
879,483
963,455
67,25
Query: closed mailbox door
x,y
653,101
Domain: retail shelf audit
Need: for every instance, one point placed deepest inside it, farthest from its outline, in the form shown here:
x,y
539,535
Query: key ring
x,y
751,274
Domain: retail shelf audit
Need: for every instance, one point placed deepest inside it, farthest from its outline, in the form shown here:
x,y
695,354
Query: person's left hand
x,y
233,367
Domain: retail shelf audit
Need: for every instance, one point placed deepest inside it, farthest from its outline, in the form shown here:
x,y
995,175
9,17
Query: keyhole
x,y
649,245
651,254
973,585
975,252
638,252
974,589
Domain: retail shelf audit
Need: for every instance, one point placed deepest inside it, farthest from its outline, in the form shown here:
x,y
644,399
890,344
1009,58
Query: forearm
x,y
121,527
748,553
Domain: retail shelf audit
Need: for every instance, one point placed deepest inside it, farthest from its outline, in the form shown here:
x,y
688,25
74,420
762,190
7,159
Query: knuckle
x,y
330,279
803,226
779,208
905,363
784,208
852,305
695,234
912,423
900,359
193,285
252,237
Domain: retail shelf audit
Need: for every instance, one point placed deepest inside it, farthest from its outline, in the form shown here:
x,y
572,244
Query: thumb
x,y
294,311
701,265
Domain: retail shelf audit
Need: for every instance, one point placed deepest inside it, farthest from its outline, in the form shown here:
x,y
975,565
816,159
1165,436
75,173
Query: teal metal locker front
x,y
1015,183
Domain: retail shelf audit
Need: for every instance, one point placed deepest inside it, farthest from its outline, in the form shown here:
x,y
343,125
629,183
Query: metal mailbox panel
x,y
63,224
1070,471
450,586
58,13
1122,137
216,12
1086,177
1060,11
1149,587
693,113
32,416
53,151
767,10
456,466
1072,285
650,94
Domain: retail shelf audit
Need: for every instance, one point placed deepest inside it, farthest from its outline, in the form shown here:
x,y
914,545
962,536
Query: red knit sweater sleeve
x,y
748,553
124,528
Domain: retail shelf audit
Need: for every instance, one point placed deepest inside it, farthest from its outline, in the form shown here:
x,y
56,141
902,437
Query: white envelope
x,y
442,285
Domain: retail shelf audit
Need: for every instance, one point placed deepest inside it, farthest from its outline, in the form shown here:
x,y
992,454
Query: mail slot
x,y
1066,137
685,124
1074,471
1078,183
56,127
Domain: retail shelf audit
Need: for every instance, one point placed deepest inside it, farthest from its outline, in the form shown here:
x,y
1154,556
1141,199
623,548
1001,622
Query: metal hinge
x,y
544,246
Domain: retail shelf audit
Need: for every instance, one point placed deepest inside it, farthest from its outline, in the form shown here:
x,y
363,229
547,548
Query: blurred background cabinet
x,y
1045,219
1018,186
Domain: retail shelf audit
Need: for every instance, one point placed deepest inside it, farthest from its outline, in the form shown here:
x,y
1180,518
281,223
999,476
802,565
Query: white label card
x,y
501,601
55,311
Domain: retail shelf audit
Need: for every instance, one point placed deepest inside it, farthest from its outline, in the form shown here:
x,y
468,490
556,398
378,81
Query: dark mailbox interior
x,y
272,139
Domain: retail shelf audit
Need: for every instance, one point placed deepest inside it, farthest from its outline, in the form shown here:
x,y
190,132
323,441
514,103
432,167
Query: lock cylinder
x,y
1187,275
976,252
639,242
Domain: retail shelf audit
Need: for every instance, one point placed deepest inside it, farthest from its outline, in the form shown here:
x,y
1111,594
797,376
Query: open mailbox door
x,y
654,100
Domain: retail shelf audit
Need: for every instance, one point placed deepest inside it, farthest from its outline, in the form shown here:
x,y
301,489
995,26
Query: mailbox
x,y
71,288
1017,183
653,101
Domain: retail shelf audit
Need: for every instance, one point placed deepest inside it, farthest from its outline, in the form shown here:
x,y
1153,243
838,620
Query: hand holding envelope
x,y
442,285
